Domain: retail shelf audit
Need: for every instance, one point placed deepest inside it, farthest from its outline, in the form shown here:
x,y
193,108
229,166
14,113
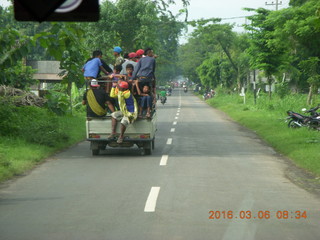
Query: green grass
x,y
266,118
17,155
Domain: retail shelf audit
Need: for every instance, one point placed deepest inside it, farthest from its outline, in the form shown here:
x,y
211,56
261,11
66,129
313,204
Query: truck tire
x,y
147,148
147,151
95,152
94,148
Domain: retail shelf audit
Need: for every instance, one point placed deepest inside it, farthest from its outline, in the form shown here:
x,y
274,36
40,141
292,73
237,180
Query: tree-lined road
x,y
202,162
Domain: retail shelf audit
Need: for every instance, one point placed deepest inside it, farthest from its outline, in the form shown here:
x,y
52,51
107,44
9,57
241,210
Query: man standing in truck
x,y
144,71
93,66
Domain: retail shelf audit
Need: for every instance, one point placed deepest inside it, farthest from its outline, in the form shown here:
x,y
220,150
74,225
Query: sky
x,y
224,9
231,11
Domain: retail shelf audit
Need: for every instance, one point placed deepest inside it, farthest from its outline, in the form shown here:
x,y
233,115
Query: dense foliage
x,y
283,45
32,124
131,24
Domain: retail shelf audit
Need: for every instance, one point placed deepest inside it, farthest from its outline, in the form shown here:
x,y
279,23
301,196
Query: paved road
x,y
202,162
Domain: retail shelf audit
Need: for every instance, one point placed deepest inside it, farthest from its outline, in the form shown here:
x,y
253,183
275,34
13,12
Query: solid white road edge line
x,y
164,160
152,200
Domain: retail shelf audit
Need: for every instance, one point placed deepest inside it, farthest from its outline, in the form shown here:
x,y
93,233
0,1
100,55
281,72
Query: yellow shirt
x,y
127,103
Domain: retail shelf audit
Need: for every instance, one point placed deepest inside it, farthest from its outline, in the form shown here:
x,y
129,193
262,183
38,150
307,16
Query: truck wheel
x,y
102,147
95,152
147,151
147,148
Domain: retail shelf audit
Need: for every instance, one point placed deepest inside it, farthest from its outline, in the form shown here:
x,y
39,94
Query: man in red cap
x,y
140,53
128,109
144,71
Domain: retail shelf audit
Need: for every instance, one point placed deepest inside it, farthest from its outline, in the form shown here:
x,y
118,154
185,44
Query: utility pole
x,y
277,3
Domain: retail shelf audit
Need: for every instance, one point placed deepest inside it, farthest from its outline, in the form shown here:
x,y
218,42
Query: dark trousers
x,y
145,102
144,81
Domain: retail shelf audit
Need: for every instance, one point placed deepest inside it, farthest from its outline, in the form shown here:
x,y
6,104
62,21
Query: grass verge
x,y
266,118
18,155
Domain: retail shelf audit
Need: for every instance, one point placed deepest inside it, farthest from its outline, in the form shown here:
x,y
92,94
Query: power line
x,y
234,17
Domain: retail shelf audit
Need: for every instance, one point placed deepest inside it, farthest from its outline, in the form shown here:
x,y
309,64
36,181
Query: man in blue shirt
x,y
91,68
145,70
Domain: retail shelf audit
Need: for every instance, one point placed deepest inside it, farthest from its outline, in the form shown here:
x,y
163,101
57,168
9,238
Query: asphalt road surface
x,y
208,178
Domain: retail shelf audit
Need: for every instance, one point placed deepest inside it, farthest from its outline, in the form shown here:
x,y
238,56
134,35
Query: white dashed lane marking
x,y
152,200
164,160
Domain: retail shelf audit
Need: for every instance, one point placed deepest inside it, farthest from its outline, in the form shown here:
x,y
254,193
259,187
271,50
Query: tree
x,y
311,69
191,55
295,3
297,30
14,48
223,59
210,71
264,55
66,43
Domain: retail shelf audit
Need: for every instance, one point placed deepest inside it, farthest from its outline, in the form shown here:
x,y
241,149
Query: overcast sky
x,y
218,8
228,9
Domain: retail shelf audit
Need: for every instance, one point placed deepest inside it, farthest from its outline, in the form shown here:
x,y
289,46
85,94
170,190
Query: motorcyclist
x,y
163,96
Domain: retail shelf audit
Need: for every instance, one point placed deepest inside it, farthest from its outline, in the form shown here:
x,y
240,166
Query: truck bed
x,y
100,128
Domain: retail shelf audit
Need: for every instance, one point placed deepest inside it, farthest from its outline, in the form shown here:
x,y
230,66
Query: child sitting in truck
x,y
145,102
128,109
116,76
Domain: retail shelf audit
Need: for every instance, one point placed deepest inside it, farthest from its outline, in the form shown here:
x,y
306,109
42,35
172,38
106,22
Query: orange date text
x,y
263,214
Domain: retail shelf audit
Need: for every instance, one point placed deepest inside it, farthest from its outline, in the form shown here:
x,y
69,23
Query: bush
x,y
58,103
282,89
35,125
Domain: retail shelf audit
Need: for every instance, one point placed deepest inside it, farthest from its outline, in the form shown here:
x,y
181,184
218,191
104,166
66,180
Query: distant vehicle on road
x,y
185,89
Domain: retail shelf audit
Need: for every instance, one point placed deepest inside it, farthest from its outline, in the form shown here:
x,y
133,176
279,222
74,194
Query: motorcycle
x,y
185,89
208,95
163,100
297,120
314,121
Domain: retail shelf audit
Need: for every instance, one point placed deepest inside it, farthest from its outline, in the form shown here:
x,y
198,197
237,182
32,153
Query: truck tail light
x,y
145,136
94,136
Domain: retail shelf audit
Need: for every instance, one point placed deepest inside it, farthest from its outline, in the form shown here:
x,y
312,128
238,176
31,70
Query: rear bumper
x,y
124,140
